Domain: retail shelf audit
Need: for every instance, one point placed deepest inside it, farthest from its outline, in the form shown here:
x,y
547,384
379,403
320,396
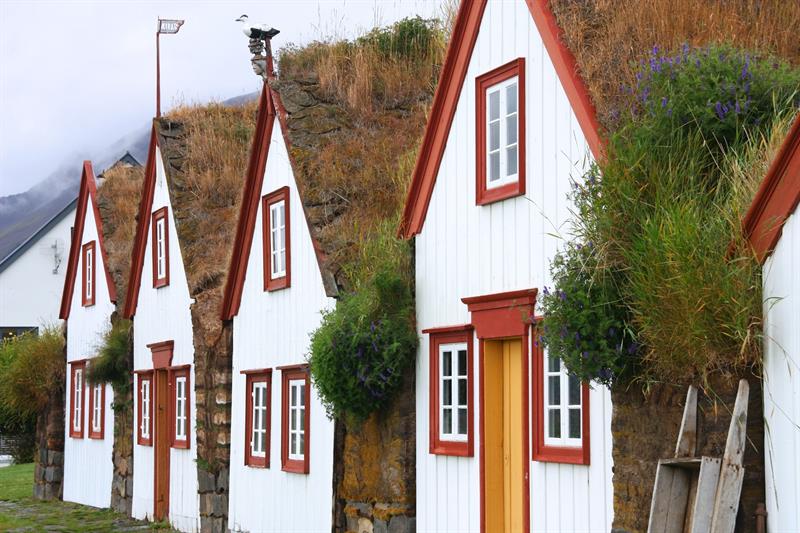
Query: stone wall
x,y
122,480
375,476
645,429
49,457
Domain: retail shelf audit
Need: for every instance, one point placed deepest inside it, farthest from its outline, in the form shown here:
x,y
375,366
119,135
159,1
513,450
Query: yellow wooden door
x,y
503,446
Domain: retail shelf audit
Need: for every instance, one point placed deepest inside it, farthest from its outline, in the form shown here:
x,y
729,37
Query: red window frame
x,y
74,367
577,455
145,375
285,281
159,215
450,335
88,301
484,195
99,434
176,372
252,377
291,373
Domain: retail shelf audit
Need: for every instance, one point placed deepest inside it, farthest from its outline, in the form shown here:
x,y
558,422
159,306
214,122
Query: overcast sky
x,y
75,76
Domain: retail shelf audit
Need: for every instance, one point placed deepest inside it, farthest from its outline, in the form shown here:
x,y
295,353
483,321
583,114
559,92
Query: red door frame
x,y
161,435
502,316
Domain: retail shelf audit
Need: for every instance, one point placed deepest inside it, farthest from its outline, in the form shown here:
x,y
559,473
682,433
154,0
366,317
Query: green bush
x,y
651,281
362,349
112,363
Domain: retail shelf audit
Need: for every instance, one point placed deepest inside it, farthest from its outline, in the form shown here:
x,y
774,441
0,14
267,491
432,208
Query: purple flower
x,y
654,51
372,327
562,295
605,374
745,68
577,336
738,109
720,111
546,291
585,355
664,102
685,49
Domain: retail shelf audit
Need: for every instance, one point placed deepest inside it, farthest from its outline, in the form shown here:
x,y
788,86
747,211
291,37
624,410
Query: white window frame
x,y
504,146
97,406
564,406
89,258
161,249
277,228
144,423
77,400
457,374
297,415
258,419
180,408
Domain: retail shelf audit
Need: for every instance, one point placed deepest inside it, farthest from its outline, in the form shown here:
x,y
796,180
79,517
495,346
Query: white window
x,y
180,408
277,239
77,401
97,406
258,438
161,253
563,406
89,273
145,422
502,126
453,378
297,419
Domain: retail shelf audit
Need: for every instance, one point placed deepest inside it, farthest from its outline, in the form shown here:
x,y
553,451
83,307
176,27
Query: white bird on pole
x,y
256,31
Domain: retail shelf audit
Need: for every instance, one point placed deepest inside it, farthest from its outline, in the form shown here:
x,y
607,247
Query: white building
x,y
773,226
32,277
506,439
281,479
165,447
87,302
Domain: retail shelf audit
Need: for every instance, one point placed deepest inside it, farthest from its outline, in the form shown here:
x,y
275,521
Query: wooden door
x,y
503,436
161,446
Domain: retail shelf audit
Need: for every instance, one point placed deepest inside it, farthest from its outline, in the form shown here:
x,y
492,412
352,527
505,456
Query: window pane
x,y
511,130
294,395
447,422
553,364
554,423
302,416
447,362
511,98
281,215
462,392
574,423
292,422
494,105
462,362
302,395
494,166
554,390
494,136
447,392
293,443
462,421
574,391
511,161
301,449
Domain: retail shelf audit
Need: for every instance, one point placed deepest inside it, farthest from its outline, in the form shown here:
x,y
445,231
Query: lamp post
x,y
164,26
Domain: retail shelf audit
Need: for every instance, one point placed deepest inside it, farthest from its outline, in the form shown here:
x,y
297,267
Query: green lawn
x,y
19,511
16,482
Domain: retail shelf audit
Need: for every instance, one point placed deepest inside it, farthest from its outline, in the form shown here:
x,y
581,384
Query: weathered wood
x,y
687,437
690,463
729,488
670,499
704,497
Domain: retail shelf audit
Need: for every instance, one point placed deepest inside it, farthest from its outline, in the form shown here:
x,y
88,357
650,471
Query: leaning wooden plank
x,y
659,506
687,437
729,488
706,492
678,500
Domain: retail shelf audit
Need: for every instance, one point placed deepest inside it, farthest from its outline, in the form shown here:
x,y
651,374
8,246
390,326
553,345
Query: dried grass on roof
x,y
117,200
356,112
610,37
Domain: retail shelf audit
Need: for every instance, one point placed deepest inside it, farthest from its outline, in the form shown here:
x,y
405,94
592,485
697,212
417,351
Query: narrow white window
x,y
180,408
89,258
77,401
277,239
161,254
502,126
145,422
563,405
297,419
453,377
258,439
97,406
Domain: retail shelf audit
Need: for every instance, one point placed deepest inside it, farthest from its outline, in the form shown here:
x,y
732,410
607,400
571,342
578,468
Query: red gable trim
x,y
86,194
142,227
777,198
459,52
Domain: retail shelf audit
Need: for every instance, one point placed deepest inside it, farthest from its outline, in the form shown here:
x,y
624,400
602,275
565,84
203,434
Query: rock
x,y
222,479
379,526
364,526
206,481
402,524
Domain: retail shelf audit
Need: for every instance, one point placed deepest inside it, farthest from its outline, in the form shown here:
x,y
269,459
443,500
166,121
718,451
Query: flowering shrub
x,y
650,283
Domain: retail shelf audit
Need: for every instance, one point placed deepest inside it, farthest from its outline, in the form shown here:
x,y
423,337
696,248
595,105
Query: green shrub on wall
x,y
657,283
112,363
362,349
